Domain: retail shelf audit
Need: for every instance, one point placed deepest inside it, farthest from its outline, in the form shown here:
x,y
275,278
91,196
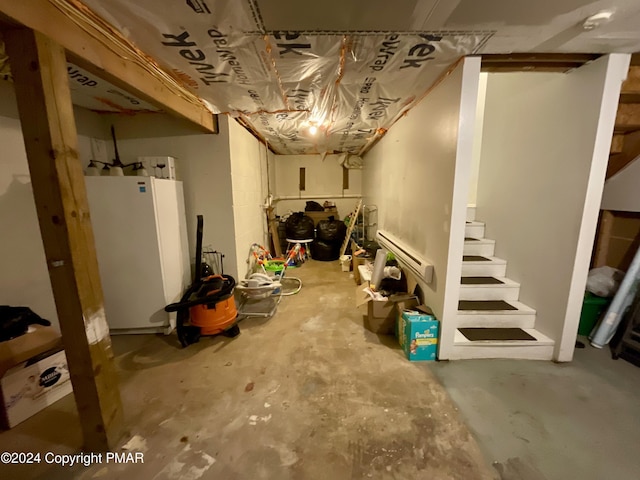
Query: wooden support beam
x,y
273,230
91,49
632,84
630,151
628,117
604,237
44,102
617,142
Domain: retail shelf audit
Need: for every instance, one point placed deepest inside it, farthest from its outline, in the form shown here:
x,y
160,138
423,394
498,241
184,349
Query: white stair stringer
x,y
507,290
474,229
494,267
540,349
523,317
482,246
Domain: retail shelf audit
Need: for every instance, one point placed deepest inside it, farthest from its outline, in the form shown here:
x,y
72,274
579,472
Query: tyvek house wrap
x,y
352,85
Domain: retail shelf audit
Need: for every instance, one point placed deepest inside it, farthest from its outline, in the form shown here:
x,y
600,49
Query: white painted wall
x,y
477,139
203,164
418,175
24,278
622,191
542,167
323,182
249,181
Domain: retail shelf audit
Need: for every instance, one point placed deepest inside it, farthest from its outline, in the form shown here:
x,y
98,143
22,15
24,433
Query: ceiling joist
x,y
535,62
93,50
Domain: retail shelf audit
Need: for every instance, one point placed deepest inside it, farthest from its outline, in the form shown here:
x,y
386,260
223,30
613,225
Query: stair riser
x,y
483,270
496,321
474,231
477,248
489,293
532,352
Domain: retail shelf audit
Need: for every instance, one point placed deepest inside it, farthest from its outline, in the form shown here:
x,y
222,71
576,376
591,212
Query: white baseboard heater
x,y
406,256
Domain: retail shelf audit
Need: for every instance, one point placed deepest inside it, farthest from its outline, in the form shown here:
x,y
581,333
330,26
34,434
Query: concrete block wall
x,y
250,189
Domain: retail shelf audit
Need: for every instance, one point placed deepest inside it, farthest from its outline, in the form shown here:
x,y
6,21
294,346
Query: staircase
x,y
488,299
625,144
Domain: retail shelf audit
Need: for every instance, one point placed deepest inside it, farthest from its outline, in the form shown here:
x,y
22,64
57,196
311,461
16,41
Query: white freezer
x,y
139,225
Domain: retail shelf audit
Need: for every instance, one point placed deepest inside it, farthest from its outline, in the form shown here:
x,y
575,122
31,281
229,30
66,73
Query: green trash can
x,y
592,308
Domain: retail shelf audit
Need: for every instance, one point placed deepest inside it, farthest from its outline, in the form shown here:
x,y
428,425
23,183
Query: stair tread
x,y
541,340
485,305
475,258
490,282
480,280
521,309
475,223
490,261
478,241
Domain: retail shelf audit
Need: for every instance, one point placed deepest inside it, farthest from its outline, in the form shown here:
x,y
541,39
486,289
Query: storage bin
x,y
592,308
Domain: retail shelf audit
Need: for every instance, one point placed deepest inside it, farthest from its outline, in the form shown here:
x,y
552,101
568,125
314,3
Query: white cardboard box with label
x,y
33,385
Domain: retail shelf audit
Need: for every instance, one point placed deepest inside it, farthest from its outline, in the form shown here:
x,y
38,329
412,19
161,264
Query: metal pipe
x,y
623,298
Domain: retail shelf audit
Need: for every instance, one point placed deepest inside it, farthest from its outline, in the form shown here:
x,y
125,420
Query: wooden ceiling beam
x,y
581,58
617,143
94,51
535,62
630,151
628,117
631,86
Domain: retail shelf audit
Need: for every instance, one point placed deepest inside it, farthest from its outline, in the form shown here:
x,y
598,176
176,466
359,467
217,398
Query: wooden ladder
x,y
352,225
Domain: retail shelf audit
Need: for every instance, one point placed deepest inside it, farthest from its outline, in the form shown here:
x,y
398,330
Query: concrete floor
x,y
306,394
546,421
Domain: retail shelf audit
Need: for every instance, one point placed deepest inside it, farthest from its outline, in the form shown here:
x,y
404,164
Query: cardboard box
x,y
317,216
28,388
37,340
381,314
404,304
357,261
418,330
34,373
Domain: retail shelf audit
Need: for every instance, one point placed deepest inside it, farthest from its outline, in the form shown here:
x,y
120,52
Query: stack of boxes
x,y
414,325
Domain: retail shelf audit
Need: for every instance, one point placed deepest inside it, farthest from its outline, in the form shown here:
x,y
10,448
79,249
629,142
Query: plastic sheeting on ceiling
x,y
352,86
89,91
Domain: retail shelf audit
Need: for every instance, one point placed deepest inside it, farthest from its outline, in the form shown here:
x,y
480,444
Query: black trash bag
x,y
313,207
15,321
299,227
331,230
325,251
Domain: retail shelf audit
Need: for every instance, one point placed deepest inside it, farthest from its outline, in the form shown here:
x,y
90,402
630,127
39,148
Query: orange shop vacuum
x,y
208,306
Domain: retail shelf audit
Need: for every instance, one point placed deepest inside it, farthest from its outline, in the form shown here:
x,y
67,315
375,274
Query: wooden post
x,y
39,70
273,229
604,236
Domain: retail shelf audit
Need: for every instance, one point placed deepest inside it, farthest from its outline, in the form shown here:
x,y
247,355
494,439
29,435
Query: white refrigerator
x,y
139,225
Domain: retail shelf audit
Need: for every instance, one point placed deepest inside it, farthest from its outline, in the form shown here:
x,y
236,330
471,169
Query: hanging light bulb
x,y
313,129
92,169
140,170
116,171
106,171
